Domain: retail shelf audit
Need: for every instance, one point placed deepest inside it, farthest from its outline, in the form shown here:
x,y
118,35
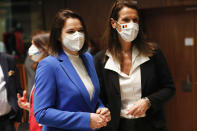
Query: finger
x,y
103,123
18,96
138,112
104,118
98,111
100,122
135,112
108,117
132,110
107,114
25,94
104,111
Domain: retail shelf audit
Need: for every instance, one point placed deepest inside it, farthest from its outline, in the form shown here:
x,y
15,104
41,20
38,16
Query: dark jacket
x,y
12,85
157,85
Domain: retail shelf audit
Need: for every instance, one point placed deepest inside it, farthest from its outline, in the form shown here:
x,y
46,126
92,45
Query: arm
x,y
12,66
166,86
98,62
100,104
17,87
45,102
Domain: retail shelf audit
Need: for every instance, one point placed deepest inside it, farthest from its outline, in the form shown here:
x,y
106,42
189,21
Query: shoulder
x,y
100,56
9,59
7,56
88,55
48,62
157,52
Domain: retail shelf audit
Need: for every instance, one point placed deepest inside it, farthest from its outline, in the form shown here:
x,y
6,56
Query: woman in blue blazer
x,y
66,86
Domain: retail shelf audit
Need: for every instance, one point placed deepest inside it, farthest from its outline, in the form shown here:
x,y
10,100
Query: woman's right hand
x,y
22,101
97,121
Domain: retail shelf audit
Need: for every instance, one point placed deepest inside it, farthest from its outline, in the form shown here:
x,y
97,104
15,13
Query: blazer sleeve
x,y
166,88
16,84
100,104
45,102
99,65
12,66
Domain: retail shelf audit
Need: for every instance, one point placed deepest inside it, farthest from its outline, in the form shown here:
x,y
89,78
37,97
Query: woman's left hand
x,y
105,112
22,101
139,108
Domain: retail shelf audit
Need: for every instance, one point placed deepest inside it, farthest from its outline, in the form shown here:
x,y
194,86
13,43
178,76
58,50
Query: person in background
x,y
134,76
2,47
10,113
30,73
66,84
37,51
92,47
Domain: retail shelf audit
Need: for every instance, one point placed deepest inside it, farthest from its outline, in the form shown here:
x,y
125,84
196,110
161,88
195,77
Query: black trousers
x,y
140,124
6,124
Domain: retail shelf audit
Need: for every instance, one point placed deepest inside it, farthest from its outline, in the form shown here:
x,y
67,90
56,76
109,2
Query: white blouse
x,y
130,85
82,72
5,106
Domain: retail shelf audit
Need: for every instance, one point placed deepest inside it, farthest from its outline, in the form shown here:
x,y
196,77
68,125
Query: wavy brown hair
x,y
110,38
41,41
55,45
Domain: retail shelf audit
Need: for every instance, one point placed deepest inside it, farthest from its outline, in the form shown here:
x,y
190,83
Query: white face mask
x,y
129,31
74,41
34,53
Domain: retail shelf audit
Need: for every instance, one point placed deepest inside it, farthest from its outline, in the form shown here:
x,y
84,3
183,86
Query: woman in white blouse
x,y
134,76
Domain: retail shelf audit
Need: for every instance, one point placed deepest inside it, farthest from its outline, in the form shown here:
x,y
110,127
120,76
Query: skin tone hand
x,y
22,101
139,108
105,112
97,121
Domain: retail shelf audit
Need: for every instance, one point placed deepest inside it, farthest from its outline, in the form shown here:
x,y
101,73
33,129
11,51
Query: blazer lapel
x,y
115,80
114,77
74,77
145,67
93,76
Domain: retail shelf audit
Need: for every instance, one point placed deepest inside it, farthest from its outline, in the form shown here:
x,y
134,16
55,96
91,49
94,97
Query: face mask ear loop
x,y
118,25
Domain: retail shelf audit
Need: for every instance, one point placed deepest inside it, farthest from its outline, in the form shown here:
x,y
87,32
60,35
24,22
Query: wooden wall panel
x,y
195,53
50,8
148,4
169,29
144,4
94,13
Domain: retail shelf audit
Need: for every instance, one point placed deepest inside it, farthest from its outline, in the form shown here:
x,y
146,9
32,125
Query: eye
x,y
81,30
135,20
70,31
126,20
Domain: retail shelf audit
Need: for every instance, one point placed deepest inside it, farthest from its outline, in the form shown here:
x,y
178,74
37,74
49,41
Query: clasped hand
x,y
100,118
138,109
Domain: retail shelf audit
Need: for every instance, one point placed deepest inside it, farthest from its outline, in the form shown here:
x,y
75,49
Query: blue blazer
x,y
62,102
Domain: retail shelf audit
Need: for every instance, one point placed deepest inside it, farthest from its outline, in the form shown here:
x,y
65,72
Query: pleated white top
x,y
130,85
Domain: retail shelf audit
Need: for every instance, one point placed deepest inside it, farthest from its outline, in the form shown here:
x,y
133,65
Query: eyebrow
x,y
74,28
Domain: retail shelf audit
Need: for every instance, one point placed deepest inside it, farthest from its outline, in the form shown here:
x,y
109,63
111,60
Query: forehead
x,y
128,12
72,23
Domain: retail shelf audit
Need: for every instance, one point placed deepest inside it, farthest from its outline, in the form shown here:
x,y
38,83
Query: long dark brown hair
x,y
56,30
110,38
41,41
